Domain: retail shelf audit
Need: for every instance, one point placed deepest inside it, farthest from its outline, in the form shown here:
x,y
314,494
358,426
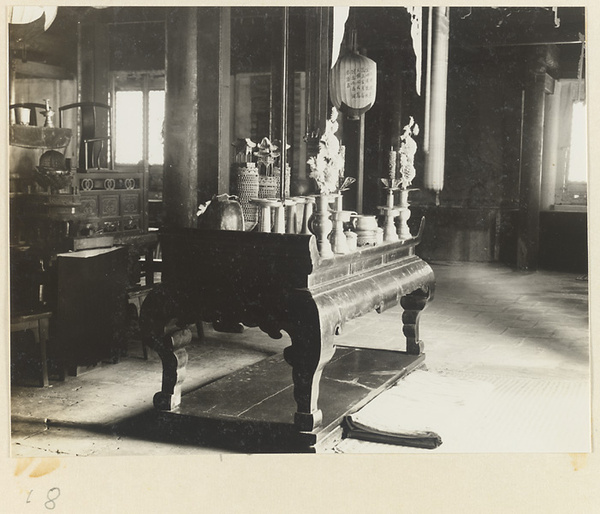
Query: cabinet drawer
x,y
89,206
130,204
109,205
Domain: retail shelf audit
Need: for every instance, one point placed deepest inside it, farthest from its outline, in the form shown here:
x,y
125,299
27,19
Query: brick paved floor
x,y
525,334
486,316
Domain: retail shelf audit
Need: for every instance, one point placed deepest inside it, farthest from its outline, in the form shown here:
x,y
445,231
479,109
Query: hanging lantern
x,y
353,82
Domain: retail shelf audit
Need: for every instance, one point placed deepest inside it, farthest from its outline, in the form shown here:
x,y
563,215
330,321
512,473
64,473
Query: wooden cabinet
x,y
91,306
112,202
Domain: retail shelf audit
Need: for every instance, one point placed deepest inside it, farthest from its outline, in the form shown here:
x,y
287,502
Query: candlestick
x,y
390,198
403,216
390,212
337,236
392,165
48,114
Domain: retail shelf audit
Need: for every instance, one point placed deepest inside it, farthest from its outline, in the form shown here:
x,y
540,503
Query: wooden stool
x,y
39,324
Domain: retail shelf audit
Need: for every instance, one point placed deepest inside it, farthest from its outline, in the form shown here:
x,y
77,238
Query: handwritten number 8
x,y
55,493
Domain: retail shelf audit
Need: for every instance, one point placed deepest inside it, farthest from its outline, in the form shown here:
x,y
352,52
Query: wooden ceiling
x,y
514,31
497,26
471,27
477,32
477,26
57,47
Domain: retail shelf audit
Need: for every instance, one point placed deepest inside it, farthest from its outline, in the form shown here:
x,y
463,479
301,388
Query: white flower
x,y
327,167
408,148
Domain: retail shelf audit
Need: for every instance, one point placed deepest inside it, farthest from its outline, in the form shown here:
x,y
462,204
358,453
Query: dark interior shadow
x,y
229,435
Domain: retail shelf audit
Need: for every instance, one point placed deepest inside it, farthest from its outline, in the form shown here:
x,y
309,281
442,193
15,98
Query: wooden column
x,y
531,170
354,140
213,54
93,81
197,111
181,119
396,92
553,122
285,40
318,57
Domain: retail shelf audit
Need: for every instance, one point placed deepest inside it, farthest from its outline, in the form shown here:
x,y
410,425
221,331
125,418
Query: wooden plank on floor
x,y
257,401
368,367
239,392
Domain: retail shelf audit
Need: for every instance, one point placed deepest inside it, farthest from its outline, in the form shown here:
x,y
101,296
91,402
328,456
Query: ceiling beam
x,y
40,70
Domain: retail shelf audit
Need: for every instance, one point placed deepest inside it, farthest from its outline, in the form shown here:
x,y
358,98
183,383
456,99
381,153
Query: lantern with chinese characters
x,y
353,82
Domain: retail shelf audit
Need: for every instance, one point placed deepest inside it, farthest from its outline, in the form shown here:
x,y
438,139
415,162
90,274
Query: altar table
x,y
277,282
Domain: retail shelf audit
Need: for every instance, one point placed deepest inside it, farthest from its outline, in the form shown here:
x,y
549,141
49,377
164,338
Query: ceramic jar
x,y
366,229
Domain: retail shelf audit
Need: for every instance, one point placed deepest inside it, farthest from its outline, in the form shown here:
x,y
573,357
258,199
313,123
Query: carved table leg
x,y
162,333
174,360
413,304
312,348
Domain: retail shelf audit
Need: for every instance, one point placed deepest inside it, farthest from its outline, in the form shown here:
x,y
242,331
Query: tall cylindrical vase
x,y
321,225
307,213
247,188
267,186
277,175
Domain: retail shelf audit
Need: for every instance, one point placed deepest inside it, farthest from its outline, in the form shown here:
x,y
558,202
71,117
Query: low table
x,y
278,282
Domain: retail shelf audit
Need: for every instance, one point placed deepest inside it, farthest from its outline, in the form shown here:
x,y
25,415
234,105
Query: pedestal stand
x,y
307,212
291,219
338,238
265,205
403,215
390,212
321,225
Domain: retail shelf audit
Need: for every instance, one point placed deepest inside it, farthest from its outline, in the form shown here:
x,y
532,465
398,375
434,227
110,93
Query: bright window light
x,y
129,127
578,152
156,117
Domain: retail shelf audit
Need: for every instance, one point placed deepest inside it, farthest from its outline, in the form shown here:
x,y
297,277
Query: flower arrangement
x,y
327,167
266,153
243,150
401,164
258,169
408,149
